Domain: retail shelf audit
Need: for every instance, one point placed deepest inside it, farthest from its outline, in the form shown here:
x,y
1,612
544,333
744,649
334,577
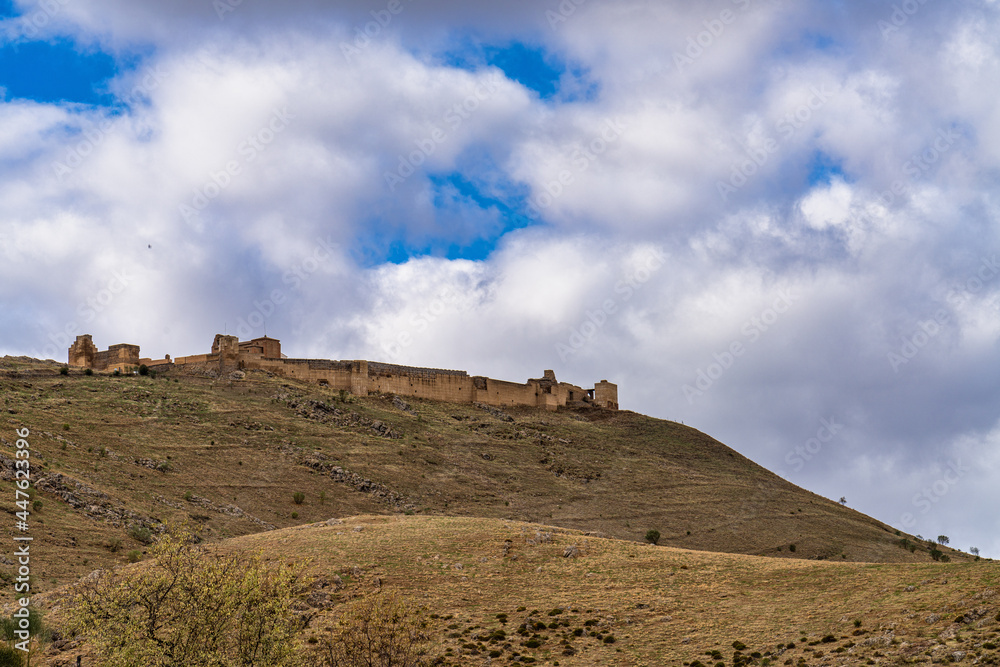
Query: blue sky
x,y
56,72
815,182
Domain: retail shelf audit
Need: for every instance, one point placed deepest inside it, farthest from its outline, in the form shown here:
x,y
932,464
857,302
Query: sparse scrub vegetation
x,y
159,615
380,629
141,533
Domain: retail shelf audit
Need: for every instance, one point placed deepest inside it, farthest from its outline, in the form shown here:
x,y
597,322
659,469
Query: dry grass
x,y
664,606
240,444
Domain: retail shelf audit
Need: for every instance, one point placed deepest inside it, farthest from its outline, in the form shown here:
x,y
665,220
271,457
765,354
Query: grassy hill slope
x,y
116,452
625,603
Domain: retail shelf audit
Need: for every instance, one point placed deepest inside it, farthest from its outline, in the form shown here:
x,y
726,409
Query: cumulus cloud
x,y
786,208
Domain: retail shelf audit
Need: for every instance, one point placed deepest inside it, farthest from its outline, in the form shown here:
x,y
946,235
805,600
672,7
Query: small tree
x,y
843,500
974,551
191,606
298,497
653,536
143,369
382,629
943,539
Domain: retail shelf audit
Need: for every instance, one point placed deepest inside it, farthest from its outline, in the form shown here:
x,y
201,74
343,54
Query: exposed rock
x,y
322,463
572,551
400,404
496,412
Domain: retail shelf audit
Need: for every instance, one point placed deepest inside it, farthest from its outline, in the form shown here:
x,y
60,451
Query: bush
x,y
936,554
37,505
164,466
295,515
298,497
381,629
115,545
116,373
188,495
10,656
153,615
88,372
141,533
791,547
134,556
143,369
64,370
653,536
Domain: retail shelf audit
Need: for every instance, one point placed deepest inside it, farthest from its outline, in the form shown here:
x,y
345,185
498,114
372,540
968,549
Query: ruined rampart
x,y
358,377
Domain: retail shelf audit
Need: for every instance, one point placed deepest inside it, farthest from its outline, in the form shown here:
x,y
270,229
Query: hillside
x,y
623,603
231,453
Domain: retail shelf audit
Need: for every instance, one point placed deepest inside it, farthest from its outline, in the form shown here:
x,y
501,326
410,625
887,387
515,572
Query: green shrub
x,y
37,505
936,554
134,556
115,545
295,515
791,547
298,497
164,466
653,536
739,646
141,533
89,372
143,369
188,495
10,656
64,370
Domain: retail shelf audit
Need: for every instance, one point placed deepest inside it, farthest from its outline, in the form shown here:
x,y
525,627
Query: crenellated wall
x,y
362,377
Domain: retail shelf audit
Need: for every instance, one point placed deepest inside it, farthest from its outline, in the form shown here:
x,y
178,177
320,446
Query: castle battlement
x,y
229,354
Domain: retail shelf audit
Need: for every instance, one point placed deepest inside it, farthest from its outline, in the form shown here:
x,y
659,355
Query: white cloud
x,y
310,208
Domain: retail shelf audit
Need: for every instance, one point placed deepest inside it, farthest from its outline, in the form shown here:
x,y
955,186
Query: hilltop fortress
x,y
358,377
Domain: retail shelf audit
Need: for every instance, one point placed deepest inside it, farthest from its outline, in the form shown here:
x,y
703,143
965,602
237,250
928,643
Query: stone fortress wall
x,y
358,377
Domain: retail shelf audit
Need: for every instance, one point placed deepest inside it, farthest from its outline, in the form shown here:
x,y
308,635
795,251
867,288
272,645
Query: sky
x,y
774,221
